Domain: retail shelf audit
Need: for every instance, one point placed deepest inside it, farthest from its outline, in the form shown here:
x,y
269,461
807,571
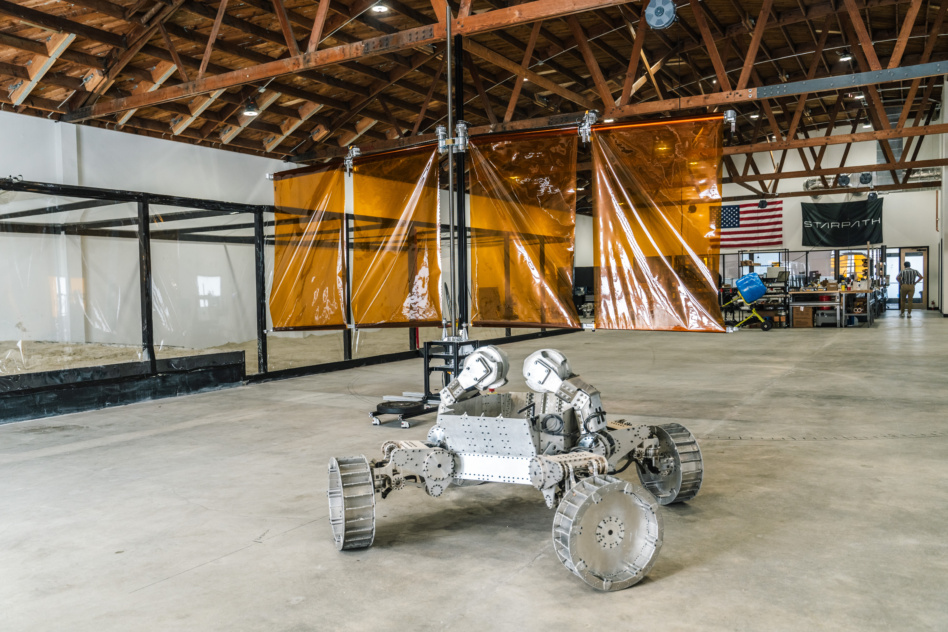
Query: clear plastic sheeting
x,y
396,267
523,218
203,289
69,292
657,234
309,277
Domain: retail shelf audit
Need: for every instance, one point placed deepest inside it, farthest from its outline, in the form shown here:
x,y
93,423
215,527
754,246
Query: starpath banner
x,y
842,224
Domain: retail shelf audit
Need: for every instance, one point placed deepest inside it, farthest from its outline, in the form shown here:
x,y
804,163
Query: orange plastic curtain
x,y
656,233
309,274
396,262
523,219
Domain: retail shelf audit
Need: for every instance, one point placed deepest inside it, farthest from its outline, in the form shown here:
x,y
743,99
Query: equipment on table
x,y
749,290
606,530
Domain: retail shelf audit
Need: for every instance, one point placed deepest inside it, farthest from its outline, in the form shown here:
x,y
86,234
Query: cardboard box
x,y
802,317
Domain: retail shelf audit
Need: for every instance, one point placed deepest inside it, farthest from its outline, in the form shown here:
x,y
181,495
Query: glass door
x,y
918,257
893,261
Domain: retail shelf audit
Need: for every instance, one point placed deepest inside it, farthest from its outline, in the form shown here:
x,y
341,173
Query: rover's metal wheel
x,y
351,502
608,532
676,474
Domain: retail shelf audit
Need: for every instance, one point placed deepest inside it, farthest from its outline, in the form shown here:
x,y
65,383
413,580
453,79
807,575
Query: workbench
x,y
796,300
841,298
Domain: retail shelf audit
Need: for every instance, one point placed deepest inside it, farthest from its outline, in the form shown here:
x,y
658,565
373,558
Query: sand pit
x,y
285,351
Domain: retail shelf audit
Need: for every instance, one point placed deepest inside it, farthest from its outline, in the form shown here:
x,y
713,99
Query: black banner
x,y
842,224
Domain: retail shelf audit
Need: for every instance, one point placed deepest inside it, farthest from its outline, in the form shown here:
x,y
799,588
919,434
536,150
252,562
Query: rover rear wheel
x,y
608,532
351,502
674,475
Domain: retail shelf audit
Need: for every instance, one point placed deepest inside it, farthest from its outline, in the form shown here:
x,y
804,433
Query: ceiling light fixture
x,y
250,108
867,125
380,8
609,121
845,56
755,116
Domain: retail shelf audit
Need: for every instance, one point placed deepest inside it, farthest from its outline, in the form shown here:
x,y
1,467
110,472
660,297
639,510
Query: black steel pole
x,y
145,289
347,333
261,279
459,162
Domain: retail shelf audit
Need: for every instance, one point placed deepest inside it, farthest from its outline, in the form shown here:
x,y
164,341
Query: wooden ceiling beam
x,y
908,24
638,42
139,38
161,73
427,101
838,139
918,144
496,59
754,44
865,41
215,30
259,58
479,86
582,41
291,44
176,59
38,66
62,25
377,89
319,21
697,12
518,82
875,109
926,55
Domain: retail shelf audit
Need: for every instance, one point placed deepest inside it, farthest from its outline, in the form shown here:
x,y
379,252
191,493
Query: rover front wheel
x,y
351,502
608,532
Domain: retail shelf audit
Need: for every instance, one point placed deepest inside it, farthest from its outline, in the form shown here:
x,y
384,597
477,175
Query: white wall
x,y
72,289
908,218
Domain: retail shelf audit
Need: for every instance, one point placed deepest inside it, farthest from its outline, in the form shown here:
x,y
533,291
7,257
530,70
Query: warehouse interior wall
x,y
909,219
61,288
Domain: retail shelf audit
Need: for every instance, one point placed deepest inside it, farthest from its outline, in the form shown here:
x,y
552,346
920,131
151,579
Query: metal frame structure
x,y
152,371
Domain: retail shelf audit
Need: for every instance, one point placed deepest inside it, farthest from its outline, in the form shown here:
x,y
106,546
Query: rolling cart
x,y
441,356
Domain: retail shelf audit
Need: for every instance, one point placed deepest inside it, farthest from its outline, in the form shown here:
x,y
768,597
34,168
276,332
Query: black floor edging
x,y
39,395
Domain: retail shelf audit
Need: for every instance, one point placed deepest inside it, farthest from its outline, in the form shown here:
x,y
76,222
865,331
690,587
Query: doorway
x,y
918,257
895,259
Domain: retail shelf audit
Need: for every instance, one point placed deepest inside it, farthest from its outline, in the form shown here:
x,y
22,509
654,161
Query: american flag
x,y
749,226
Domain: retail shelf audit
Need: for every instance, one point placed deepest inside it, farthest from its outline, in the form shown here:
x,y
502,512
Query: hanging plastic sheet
x,y
523,219
309,276
204,295
396,267
657,233
69,294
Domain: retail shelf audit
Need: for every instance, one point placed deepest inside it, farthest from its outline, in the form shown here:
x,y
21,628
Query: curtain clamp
x,y
586,123
354,152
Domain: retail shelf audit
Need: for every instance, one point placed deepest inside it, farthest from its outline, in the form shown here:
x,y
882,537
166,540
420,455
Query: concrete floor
x,y
824,504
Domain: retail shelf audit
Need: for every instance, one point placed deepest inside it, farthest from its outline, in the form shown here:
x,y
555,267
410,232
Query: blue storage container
x,y
750,288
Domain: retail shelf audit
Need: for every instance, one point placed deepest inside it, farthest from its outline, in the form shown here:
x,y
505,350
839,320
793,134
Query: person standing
x,y
907,279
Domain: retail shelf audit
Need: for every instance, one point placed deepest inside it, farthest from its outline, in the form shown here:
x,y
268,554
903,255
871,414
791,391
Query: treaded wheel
x,y
608,532
767,325
680,468
351,502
